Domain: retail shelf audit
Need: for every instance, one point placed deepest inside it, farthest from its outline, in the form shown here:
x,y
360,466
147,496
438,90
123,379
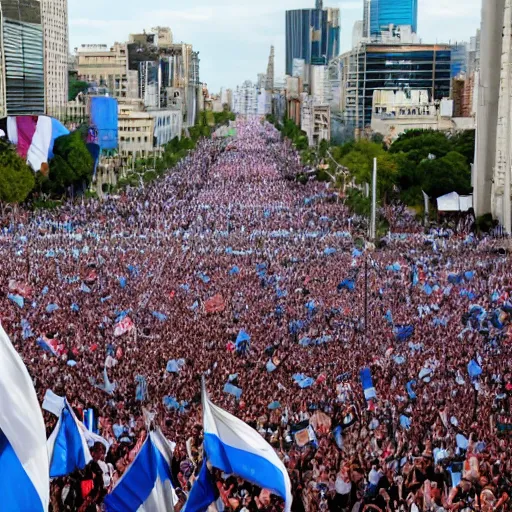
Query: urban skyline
x,y
233,39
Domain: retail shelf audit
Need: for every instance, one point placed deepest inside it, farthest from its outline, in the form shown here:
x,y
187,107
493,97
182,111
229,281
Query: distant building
x,y
357,33
269,85
379,14
462,93
320,85
168,124
226,97
474,53
315,120
166,71
108,67
264,102
312,35
372,67
293,98
460,59
261,80
56,51
396,112
136,130
22,83
164,36
245,99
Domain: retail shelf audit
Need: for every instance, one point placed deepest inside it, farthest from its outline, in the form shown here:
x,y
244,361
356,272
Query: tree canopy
x,y
75,87
71,165
434,162
359,160
16,178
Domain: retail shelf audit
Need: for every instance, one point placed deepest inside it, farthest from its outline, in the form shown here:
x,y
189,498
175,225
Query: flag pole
x,y
374,202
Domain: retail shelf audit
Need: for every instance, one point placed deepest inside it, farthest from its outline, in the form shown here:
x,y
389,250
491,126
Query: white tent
x,y
454,203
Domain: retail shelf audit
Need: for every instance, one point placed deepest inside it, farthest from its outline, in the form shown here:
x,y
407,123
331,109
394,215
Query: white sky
x,y
234,36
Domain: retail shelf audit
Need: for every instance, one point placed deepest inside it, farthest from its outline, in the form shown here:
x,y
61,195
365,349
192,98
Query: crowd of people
x,y
226,270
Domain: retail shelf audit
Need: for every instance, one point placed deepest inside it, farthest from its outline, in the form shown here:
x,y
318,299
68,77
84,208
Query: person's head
x,y
98,452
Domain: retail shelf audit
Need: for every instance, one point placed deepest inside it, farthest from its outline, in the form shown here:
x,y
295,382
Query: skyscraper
x,y
56,47
391,67
22,66
382,13
312,35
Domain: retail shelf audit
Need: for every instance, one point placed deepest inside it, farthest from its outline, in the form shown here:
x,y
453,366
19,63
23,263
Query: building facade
x,y
168,124
373,67
315,120
396,112
101,66
56,49
312,35
383,13
136,130
22,83
245,99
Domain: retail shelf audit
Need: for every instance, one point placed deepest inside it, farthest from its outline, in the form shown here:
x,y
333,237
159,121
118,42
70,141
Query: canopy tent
x,y
453,202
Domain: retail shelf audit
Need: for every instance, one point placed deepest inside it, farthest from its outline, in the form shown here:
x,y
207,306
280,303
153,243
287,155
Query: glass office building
x,y
460,59
22,64
393,68
392,12
312,35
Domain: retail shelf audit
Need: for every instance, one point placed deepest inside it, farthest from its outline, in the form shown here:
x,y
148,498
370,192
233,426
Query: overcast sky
x,y
234,36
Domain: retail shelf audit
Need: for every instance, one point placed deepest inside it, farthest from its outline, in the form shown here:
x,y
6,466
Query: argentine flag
x,y
146,485
24,472
237,449
67,445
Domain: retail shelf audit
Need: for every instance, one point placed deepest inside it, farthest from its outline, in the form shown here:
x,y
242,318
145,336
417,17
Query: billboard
x,y
104,122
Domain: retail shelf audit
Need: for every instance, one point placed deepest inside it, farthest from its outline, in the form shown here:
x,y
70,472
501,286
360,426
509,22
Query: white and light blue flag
x,y
146,485
67,445
24,468
237,449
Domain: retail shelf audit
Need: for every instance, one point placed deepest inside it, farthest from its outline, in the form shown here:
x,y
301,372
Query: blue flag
x,y
347,284
17,299
474,369
146,484
204,492
367,383
159,316
141,392
233,390
67,447
243,341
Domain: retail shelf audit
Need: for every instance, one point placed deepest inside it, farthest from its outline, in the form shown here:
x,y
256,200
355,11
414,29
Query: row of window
x,y
134,139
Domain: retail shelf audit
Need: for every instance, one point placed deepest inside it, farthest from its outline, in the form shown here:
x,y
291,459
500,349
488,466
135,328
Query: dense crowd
x,y
228,270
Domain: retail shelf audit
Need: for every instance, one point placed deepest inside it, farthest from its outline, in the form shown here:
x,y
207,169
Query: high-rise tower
x,y
312,35
54,15
22,66
379,14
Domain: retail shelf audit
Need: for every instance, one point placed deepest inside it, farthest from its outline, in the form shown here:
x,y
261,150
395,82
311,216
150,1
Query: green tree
x,y
464,143
420,154
16,178
360,163
419,144
75,87
71,165
223,118
445,175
